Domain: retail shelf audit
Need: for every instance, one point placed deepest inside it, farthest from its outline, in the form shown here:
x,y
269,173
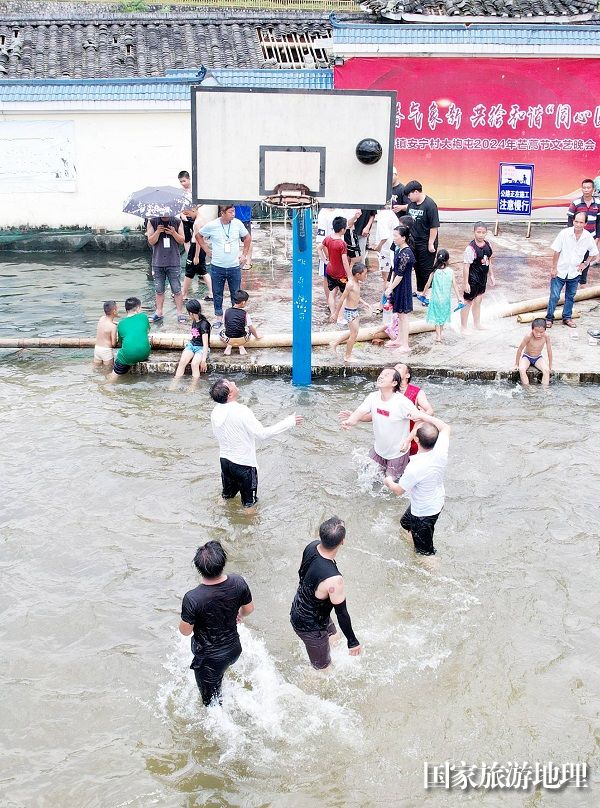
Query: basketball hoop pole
x,y
301,295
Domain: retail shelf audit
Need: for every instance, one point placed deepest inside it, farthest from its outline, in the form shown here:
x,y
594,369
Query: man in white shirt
x,y
423,481
236,428
568,262
391,413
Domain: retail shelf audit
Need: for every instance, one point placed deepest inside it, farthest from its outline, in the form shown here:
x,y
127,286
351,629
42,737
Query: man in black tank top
x,y
321,589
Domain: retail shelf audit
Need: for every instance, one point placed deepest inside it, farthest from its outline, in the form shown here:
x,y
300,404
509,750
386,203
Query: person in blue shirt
x,y
227,245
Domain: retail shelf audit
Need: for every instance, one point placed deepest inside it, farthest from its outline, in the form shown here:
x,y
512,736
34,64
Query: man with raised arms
x,y
391,414
321,589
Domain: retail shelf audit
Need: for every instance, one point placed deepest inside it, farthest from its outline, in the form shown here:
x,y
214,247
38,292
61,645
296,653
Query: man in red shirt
x,y
334,252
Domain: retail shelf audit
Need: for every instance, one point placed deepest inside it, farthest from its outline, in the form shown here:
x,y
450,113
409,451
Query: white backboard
x,y
247,141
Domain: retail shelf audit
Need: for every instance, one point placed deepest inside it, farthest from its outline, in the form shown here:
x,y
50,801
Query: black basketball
x,y
369,151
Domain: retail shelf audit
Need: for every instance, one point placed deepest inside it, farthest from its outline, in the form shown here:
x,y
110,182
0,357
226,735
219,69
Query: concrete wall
x,y
115,154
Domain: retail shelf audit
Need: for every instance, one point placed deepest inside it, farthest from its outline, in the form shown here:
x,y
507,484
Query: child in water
x,y
441,282
237,323
530,350
350,300
197,349
106,335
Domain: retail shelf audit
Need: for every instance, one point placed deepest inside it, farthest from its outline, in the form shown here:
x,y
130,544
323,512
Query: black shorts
x,y
336,283
241,480
191,269
352,247
317,645
120,368
422,528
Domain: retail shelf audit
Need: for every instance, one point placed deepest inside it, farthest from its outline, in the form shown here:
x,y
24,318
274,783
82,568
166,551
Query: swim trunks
x,y
422,528
103,354
394,467
317,645
532,359
351,314
120,368
336,283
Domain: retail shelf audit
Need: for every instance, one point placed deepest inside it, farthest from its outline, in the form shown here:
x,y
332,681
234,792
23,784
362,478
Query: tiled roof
x,y
175,87
422,36
437,10
124,45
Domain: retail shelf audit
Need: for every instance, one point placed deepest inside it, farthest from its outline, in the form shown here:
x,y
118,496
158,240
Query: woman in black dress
x,y
399,287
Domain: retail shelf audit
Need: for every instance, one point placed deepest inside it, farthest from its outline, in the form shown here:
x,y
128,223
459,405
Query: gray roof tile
x,y
99,42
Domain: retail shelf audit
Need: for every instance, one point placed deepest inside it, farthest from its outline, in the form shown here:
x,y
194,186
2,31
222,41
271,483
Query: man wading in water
x,y
211,612
320,590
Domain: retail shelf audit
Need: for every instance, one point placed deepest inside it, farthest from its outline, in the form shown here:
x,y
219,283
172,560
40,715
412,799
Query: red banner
x,y
457,119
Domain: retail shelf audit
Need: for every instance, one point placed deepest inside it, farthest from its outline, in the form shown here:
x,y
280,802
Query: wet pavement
x,y
522,270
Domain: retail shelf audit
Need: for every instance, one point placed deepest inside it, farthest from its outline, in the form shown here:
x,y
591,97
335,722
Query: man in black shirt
x,y
362,229
211,612
399,199
321,589
424,231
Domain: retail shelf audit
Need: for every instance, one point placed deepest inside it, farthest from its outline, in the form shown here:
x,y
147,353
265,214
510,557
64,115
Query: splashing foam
x,y
261,711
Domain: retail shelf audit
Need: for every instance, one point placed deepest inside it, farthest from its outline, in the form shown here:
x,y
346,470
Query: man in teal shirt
x,y
221,240
132,333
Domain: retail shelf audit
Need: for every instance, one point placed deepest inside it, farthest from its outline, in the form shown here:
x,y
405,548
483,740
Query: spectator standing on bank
x,y
226,243
165,236
587,203
568,262
188,214
426,223
362,230
399,199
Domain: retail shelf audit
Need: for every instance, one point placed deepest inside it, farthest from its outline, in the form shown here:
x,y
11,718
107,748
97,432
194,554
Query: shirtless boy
x,y
530,350
350,300
106,335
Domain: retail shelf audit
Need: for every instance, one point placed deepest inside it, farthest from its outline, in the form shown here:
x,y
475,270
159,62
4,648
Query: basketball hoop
x,y
290,196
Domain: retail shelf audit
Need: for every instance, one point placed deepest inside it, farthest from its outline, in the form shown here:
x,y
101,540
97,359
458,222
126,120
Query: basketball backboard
x,y
247,141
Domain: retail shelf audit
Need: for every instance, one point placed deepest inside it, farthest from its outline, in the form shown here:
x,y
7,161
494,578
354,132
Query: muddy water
x,y
106,492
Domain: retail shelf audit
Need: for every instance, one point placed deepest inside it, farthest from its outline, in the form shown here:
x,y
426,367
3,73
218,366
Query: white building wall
x,y
115,153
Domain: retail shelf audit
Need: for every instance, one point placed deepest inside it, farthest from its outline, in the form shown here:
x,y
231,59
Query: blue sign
x,y
515,189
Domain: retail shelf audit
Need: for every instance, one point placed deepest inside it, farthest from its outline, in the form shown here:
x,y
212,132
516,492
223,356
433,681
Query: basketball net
x,y
287,196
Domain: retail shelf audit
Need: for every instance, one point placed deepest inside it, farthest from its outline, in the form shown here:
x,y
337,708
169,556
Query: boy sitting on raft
x,y
132,332
237,324
106,335
350,300
530,350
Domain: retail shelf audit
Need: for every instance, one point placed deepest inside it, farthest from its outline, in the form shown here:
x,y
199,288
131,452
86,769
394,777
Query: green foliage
x,y
133,5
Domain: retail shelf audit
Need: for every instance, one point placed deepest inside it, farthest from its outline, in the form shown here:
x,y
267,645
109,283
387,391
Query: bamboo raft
x,y
173,342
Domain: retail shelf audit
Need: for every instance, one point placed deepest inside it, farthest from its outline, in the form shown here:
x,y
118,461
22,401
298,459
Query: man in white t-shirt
x,y
423,481
236,428
391,413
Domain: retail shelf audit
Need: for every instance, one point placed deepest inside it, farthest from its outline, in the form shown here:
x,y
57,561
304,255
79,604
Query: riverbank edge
x,y
440,372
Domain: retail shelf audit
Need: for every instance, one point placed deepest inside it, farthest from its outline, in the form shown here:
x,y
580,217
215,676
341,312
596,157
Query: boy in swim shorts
x,y
106,335
237,324
350,300
530,350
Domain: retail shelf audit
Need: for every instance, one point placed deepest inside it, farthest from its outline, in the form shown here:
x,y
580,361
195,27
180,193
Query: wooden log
x,y
530,316
175,342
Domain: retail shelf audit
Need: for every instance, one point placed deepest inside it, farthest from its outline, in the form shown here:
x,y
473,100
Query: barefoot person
x,y
333,250
237,323
423,482
236,428
399,287
477,263
197,349
106,335
350,300
529,352
211,613
441,281
390,413
321,589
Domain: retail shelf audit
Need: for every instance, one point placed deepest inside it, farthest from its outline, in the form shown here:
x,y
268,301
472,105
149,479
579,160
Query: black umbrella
x,y
162,200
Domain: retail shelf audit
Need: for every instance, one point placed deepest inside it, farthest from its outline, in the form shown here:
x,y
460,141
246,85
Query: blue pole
x,y
301,295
